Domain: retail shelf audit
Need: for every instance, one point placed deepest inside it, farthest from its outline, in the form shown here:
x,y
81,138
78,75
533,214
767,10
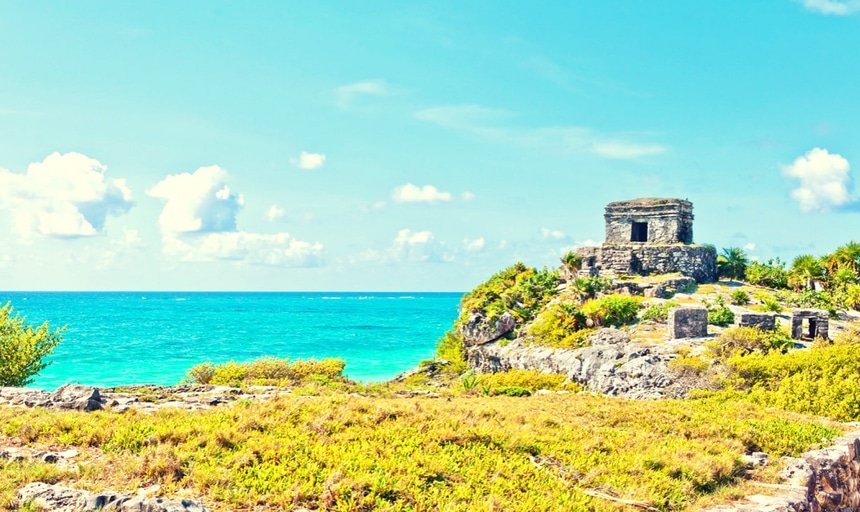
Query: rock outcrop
x,y
70,396
59,498
612,365
478,329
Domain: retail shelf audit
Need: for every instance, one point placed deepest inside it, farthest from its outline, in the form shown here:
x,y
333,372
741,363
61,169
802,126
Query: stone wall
x,y
763,321
669,221
698,262
688,322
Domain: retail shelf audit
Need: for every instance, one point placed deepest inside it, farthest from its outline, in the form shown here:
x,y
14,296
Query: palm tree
x,y
732,263
845,256
806,270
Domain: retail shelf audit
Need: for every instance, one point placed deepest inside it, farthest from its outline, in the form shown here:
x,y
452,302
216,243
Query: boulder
x,y
478,329
77,397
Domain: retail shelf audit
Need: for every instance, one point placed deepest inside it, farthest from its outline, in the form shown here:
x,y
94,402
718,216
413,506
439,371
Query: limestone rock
x,y
64,499
612,365
478,329
75,396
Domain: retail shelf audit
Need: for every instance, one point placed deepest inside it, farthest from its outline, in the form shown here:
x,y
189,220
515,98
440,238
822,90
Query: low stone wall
x,y
763,321
826,480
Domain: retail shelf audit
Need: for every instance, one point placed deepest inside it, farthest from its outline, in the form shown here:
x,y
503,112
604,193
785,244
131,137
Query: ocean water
x,y
121,338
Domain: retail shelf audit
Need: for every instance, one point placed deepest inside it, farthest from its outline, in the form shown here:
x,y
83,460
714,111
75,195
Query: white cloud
x,y
467,196
198,223
833,7
493,125
65,195
197,202
278,249
274,213
750,246
347,94
552,234
824,179
308,161
412,246
474,245
410,193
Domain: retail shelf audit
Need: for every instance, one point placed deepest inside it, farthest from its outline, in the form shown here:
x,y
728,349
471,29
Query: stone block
x,y
764,321
688,322
810,324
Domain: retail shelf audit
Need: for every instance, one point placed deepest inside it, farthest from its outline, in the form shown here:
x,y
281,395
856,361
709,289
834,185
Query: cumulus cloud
x,y
552,234
64,195
410,193
274,213
750,246
198,223
474,244
824,180
308,161
833,7
346,95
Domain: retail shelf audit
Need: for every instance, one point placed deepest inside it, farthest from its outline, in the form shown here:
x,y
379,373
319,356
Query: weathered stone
x,y
763,321
58,498
478,329
650,236
817,323
611,365
688,322
75,396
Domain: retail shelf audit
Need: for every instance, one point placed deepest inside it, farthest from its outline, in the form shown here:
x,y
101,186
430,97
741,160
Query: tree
x,y
806,270
732,263
844,257
23,347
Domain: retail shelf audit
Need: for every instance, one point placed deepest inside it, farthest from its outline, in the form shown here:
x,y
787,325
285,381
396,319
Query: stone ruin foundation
x,y
688,322
763,321
808,324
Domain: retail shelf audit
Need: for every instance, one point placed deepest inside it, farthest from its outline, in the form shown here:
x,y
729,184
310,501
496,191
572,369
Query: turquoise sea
x,y
120,338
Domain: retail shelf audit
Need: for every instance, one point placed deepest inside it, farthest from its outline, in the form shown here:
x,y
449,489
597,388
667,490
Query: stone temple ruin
x,y
650,236
817,324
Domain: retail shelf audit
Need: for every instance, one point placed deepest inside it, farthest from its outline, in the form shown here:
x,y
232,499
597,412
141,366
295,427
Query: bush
x,y
23,348
613,310
526,379
589,287
512,391
451,348
266,371
686,365
740,298
746,340
518,289
558,326
720,314
771,274
572,261
658,312
822,380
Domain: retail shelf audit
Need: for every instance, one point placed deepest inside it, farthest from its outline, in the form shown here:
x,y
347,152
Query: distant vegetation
x,y
23,347
267,371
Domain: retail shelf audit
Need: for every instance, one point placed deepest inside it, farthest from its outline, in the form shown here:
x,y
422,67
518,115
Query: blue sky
x,y
409,146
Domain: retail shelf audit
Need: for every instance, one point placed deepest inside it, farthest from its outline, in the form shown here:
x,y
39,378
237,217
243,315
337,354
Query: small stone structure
x,y
650,236
688,322
763,321
817,324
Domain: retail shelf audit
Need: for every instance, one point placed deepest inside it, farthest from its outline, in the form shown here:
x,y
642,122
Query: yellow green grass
x,y
458,453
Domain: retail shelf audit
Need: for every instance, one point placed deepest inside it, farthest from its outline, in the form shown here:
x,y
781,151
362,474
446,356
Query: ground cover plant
x,y
267,371
467,453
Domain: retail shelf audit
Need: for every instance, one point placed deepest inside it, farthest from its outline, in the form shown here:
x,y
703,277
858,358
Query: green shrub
x,y
822,380
517,289
769,303
512,391
746,340
589,287
557,326
452,349
686,365
740,298
527,379
266,371
23,348
572,261
771,274
658,312
613,310
720,314
469,380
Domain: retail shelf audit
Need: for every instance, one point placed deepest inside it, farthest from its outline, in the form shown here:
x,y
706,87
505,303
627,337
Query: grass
x,y
463,453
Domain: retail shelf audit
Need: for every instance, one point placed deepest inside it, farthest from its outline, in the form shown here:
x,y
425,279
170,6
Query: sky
x,y
410,145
